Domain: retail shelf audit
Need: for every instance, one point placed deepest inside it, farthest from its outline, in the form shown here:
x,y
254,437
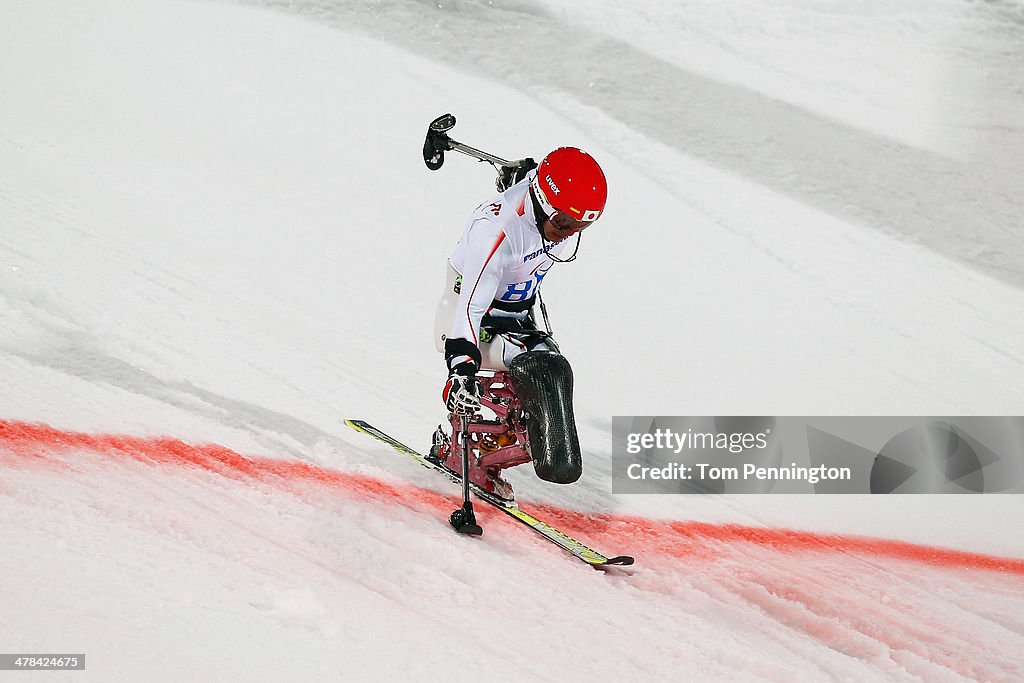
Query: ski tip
x,y
618,561
362,426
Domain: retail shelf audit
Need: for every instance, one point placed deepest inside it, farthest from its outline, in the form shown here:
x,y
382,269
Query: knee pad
x,y
543,382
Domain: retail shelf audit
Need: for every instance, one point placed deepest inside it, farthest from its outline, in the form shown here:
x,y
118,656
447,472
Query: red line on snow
x,y
38,443
27,444
689,538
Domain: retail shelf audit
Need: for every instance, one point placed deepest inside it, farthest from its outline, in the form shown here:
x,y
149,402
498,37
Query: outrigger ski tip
x,y
468,525
463,520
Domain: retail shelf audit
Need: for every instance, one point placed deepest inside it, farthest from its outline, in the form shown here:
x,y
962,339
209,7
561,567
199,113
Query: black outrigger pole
x,y
438,142
463,519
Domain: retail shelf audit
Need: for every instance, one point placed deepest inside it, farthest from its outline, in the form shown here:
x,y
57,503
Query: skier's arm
x,y
488,252
510,175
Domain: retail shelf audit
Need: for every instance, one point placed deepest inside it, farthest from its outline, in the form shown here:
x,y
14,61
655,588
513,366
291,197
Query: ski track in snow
x,y
216,225
889,609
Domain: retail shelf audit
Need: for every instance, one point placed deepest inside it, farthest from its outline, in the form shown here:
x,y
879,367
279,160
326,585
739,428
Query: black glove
x,y
510,175
461,394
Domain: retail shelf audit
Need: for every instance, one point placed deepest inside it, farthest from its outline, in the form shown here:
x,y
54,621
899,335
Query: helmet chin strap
x,y
555,258
540,217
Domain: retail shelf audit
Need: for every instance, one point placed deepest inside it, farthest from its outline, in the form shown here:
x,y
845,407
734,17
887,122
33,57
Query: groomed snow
x,y
217,229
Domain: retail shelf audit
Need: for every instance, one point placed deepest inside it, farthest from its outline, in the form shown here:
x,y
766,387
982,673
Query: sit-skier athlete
x,y
485,317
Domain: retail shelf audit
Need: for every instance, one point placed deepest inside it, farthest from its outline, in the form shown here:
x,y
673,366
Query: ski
x,y
578,549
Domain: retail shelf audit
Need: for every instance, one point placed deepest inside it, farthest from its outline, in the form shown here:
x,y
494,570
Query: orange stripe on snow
x,y
25,445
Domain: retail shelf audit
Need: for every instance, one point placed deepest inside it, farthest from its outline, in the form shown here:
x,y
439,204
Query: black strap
x,y
500,324
538,213
522,328
514,306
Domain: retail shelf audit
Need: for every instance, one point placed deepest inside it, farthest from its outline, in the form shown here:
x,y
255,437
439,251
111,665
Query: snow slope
x,y
216,229
899,115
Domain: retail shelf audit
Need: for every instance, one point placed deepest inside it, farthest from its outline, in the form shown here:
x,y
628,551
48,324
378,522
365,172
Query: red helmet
x,y
570,181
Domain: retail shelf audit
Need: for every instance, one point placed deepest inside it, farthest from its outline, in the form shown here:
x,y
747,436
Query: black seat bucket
x,y
543,382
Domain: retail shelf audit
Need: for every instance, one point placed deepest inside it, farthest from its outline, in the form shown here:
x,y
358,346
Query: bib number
x,y
521,291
